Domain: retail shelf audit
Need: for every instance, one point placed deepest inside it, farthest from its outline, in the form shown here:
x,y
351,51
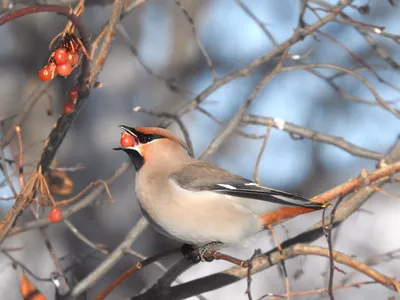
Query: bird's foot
x,y
190,253
204,253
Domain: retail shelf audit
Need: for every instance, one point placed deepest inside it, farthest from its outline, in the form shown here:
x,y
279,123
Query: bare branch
x,y
235,122
314,135
296,37
111,260
199,44
354,74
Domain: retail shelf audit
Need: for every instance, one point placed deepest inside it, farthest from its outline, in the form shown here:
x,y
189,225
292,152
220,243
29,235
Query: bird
x,y
198,203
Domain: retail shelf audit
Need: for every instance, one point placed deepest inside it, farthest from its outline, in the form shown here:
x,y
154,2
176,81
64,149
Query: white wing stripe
x,y
227,186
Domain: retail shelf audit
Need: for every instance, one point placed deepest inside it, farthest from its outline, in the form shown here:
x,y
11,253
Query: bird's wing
x,y
203,176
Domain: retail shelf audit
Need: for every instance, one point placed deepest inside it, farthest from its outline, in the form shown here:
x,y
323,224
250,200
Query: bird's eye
x,y
148,138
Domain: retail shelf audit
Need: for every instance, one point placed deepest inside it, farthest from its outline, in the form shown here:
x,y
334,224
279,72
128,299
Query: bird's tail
x,y
285,213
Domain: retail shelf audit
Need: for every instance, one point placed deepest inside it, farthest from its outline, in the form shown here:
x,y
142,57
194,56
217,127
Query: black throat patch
x,y
137,159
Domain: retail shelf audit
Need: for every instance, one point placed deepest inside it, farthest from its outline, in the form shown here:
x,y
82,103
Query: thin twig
x,y
83,238
313,135
199,44
26,269
78,206
137,267
114,257
235,121
283,265
328,234
7,178
260,154
132,7
260,24
296,37
169,82
376,95
256,253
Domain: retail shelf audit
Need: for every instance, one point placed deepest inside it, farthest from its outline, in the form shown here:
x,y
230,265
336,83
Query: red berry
x,y
47,72
127,140
65,69
55,215
73,94
73,58
61,56
69,107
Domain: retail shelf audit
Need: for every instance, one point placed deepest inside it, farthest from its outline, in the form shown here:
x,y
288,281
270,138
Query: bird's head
x,y
143,144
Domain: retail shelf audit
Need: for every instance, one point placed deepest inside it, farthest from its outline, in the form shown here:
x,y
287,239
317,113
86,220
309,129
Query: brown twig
x,y
357,183
137,267
84,202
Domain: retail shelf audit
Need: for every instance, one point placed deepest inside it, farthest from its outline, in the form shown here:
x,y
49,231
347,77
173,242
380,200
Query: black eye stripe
x,y
146,138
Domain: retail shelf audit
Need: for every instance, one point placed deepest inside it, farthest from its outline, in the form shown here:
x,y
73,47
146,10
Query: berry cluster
x,y
69,105
62,61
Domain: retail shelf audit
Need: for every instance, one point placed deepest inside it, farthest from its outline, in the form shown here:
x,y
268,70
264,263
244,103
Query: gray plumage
x,y
203,176
196,202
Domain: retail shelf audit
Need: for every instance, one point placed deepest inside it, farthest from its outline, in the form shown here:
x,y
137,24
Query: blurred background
x,y
158,37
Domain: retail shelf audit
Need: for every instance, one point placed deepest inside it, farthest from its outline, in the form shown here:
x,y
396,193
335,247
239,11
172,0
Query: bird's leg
x,y
203,253
206,252
190,253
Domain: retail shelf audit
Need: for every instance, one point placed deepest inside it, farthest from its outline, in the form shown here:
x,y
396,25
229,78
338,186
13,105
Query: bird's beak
x,y
132,131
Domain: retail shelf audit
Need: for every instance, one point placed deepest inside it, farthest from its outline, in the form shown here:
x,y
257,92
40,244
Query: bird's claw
x,y
206,254
190,253
195,255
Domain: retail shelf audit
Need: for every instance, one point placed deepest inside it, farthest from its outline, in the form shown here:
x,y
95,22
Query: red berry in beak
x,y
127,140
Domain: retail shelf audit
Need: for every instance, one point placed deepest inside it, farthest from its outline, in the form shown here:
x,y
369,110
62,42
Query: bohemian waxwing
x,y
198,203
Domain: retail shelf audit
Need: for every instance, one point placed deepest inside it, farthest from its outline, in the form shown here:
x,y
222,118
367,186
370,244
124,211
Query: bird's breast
x,y
196,217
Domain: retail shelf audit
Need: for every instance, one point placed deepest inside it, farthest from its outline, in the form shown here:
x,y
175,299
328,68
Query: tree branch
x,y
111,260
313,135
